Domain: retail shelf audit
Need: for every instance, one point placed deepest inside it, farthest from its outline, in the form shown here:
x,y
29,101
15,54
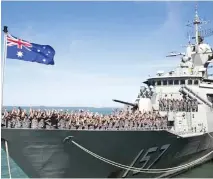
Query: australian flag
x,y
23,50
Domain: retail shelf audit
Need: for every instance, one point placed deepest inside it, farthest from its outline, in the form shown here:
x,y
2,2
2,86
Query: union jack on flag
x,y
11,41
20,49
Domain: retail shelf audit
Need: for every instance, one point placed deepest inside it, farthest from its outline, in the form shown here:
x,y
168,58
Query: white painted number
x,y
146,158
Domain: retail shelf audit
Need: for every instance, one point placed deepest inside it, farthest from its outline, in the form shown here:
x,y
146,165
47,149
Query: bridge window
x,y
196,82
189,82
152,83
182,82
176,82
158,83
164,82
170,82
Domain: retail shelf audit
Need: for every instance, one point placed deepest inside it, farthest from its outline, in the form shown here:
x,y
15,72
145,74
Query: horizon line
x,y
60,106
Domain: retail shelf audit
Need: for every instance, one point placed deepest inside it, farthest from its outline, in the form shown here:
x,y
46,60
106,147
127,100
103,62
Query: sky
x,y
104,50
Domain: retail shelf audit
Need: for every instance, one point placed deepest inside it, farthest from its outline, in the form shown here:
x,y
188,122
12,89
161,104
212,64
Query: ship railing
x,y
187,132
131,129
168,128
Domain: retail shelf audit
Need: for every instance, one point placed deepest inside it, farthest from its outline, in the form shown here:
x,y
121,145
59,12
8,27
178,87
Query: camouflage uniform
x,y
91,127
160,105
196,105
54,123
185,105
110,125
62,124
26,123
67,124
41,124
3,121
34,124
18,123
13,122
48,123
9,123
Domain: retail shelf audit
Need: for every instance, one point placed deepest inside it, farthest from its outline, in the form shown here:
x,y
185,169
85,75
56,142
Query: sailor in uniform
x,y
3,120
41,124
196,105
18,123
26,122
61,123
68,123
91,127
192,105
9,122
34,123
48,123
184,105
13,122
72,126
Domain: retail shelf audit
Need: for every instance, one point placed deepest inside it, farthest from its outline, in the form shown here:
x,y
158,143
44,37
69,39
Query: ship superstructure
x,y
189,83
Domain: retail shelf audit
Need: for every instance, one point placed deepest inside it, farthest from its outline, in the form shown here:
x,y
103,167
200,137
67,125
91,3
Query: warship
x,y
187,140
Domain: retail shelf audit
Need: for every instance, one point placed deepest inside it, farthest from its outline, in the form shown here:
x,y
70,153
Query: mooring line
x,y
139,169
8,159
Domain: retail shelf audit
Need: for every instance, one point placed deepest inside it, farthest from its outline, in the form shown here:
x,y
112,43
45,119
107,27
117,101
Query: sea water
x,y
203,171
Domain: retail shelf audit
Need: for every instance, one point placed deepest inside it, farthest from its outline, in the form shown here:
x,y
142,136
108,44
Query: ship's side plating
x,y
45,153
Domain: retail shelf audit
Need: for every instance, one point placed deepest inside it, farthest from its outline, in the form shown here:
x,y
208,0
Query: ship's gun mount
x,y
142,104
134,106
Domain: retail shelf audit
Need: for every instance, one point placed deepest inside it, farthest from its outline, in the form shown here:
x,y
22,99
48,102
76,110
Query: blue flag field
x,y
22,50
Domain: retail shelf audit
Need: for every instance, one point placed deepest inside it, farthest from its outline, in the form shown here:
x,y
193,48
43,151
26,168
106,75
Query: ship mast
x,y
196,23
198,34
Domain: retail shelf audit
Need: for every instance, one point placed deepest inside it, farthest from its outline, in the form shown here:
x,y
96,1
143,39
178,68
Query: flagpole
x,y
5,30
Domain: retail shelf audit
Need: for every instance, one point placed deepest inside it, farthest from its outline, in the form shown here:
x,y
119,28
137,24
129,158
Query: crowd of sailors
x,y
182,105
82,119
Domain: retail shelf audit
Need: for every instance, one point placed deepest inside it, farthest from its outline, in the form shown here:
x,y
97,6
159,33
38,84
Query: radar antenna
x,y
199,34
175,54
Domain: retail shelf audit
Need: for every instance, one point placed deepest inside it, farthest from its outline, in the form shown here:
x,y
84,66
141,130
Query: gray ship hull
x,y
52,154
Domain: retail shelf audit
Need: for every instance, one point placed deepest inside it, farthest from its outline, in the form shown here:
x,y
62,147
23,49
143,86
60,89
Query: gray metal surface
x,y
42,153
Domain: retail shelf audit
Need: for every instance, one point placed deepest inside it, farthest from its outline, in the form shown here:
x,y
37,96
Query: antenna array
x,y
202,33
197,23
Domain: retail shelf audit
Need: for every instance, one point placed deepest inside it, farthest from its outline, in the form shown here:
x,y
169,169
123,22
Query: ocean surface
x,y
203,171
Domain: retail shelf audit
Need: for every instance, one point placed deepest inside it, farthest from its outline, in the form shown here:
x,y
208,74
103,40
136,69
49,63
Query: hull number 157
x,y
144,159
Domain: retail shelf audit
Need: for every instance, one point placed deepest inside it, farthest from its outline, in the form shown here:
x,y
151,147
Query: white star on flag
x,y
44,60
20,54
